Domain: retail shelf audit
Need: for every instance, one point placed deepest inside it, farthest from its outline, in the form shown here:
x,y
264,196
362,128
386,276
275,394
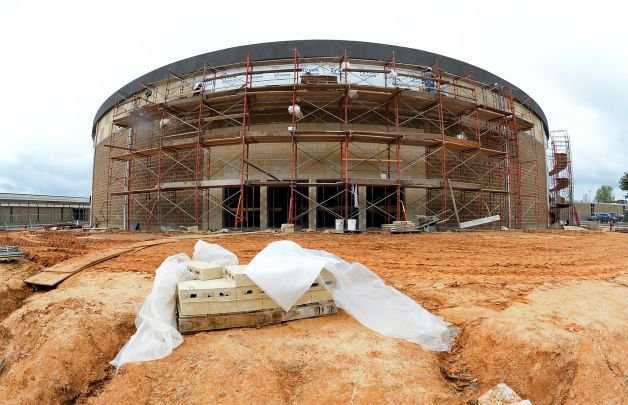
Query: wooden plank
x,y
52,276
47,278
479,221
191,324
78,263
223,117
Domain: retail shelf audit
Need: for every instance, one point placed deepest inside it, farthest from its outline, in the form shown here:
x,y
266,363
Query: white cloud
x,y
62,59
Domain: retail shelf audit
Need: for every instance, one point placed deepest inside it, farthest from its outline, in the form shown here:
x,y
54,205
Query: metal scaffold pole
x,y
241,216
441,123
293,142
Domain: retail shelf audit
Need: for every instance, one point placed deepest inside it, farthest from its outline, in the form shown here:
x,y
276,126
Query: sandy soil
x,y
543,312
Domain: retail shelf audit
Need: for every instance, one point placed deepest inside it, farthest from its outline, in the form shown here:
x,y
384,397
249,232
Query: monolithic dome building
x,y
307,132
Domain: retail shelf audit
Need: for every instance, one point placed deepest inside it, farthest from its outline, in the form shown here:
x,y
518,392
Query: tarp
x,y
156,334
285,271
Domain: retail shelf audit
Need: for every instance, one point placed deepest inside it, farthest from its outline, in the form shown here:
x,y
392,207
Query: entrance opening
x,y
382,205
333,201
279,201
231,195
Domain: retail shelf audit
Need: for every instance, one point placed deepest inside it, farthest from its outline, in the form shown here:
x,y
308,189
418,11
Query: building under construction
x,y
307,132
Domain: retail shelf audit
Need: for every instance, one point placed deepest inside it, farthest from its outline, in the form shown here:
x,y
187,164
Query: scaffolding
x,y
169,163
562,207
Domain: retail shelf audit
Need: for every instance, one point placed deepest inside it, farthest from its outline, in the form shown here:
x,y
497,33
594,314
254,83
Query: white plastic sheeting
x,y
285,270
156,333
213,254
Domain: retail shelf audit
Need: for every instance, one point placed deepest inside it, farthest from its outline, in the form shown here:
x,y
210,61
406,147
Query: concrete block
x,y
236,273
327,278
249,292
318,296
224,307
268,303
221,289
205,271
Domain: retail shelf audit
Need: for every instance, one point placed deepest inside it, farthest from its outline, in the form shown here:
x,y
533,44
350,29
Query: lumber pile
x,y
225,297
401,227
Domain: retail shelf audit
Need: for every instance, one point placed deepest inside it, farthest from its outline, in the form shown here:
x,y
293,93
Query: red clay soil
x,y
542,312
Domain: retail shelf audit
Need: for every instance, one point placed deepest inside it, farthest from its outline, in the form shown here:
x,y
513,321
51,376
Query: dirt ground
x,y
543,312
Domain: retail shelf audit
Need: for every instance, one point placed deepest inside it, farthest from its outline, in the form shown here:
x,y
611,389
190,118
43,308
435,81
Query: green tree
x,y
604,194
623,182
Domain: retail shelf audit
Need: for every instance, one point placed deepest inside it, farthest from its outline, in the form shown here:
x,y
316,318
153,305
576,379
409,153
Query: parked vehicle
x,y
603,217
616,217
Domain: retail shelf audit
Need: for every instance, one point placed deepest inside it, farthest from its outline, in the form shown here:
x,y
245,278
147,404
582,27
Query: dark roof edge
x,y
315,48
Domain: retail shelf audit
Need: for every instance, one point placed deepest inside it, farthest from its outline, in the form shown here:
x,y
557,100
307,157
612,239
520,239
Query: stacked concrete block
x,y
204,270
234,292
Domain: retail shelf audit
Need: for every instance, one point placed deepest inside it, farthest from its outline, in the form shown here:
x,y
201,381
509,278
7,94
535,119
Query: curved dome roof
x,y
317,48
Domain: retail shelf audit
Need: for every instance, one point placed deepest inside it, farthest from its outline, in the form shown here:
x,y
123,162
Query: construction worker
x,y
428,80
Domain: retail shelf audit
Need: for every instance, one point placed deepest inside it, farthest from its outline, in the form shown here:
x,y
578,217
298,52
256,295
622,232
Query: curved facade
x,y
307,132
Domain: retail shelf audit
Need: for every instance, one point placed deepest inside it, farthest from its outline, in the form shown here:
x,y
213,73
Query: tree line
x,y
604,194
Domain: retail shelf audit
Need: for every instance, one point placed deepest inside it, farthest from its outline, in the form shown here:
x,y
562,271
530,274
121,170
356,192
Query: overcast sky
x,y
61,60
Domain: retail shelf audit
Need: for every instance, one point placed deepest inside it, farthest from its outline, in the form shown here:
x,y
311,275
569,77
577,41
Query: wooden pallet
x,y
190,324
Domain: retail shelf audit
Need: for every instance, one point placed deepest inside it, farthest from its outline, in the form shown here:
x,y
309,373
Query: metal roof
x,y
317,48
43,198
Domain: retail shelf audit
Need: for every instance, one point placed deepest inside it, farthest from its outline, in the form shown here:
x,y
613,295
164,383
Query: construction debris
x,y
461,379
501,394
8,253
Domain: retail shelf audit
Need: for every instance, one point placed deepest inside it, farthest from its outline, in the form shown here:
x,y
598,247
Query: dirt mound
x,y
58,344
12,288
568,345
543,312
323,360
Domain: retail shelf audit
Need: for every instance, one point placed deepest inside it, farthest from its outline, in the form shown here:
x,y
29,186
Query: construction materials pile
x,y
401,227
225,297
423,223
284,281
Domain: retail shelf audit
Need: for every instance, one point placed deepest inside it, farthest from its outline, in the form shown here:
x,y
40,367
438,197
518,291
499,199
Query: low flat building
x,y
31,210
588,209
